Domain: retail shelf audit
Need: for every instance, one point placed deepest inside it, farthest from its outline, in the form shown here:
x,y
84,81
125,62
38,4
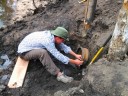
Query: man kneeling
x,y
38,45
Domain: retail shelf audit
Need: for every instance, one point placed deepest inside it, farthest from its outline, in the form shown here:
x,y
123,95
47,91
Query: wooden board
x,y
18,74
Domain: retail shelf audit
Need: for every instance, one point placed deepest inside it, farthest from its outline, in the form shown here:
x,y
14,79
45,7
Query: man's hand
x,y
78,57
76,62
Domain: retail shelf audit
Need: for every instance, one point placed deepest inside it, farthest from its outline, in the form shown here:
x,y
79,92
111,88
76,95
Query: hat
x,y
61,32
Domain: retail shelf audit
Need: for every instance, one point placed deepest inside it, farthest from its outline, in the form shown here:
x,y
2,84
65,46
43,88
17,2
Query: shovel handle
x,y
107,40
100,50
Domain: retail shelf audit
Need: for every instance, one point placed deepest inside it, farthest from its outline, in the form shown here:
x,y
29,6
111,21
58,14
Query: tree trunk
x,y
119,43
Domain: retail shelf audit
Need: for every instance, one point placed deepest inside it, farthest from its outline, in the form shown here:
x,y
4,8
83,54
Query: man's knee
x,y
44,52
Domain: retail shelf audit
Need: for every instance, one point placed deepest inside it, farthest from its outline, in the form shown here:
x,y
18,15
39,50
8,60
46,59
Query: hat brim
x,y
52,31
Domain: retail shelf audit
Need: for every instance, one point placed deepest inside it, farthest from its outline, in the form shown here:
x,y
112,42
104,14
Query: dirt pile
x,y
70,14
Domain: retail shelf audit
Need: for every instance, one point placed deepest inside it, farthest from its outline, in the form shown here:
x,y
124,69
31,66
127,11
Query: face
x,y
59,40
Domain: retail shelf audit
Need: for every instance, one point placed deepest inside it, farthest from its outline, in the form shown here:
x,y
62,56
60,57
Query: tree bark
x,y
119,43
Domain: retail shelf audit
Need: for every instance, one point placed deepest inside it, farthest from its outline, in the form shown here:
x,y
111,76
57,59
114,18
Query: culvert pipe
x,y
85,56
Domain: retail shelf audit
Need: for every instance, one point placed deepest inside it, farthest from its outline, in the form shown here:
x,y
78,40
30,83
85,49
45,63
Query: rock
x,y
70,92
1,70
1,61
23,8
4,79
119,2
2,87
81,91
105,78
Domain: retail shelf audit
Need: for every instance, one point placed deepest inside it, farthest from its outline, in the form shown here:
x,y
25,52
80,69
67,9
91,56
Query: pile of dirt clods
x,y
102,78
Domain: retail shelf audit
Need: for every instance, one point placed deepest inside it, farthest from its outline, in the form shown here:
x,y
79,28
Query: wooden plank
x,y
18,74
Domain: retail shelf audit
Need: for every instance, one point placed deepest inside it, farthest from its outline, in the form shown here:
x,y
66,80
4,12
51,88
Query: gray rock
x,y
1,70
2,87
106,79
69,92
4,79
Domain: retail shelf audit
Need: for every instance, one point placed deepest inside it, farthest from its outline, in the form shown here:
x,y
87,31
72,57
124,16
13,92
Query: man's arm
x,y
67,49
78,61
52,49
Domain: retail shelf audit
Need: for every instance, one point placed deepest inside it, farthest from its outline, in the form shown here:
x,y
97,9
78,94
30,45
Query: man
x,y
38,45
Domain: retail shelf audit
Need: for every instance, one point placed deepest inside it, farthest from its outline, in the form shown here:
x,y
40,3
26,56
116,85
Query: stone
x,y
2,87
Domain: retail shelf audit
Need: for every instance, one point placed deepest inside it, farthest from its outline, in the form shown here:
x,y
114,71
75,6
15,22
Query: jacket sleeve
x,y
65,48
52,49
